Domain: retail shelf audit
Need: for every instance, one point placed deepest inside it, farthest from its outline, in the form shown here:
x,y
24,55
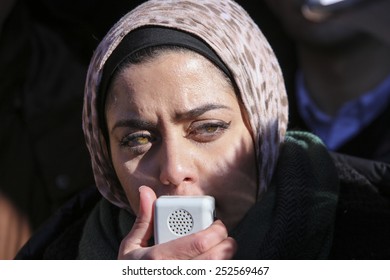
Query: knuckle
x,y
199,245
220,228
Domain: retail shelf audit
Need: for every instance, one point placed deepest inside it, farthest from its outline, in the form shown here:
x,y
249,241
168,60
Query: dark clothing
x,y
373,142
363,213
44,159
82,24
294,224
59,237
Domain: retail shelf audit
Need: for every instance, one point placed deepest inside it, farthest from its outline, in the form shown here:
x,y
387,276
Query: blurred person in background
x,y
43,157
341,89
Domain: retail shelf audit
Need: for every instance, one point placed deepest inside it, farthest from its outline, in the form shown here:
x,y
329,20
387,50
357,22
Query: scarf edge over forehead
x,y
240,45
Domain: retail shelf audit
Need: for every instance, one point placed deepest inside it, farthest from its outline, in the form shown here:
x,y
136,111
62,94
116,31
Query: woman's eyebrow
x,y
198,111
146,125
134,123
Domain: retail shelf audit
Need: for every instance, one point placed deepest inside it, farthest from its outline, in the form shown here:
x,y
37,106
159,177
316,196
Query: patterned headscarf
x,y
228,29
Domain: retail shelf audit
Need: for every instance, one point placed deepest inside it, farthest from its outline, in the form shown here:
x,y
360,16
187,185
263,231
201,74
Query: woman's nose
x,y
177,164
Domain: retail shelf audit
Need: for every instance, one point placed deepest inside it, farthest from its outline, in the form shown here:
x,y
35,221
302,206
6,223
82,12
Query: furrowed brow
x,y
134,123
196,112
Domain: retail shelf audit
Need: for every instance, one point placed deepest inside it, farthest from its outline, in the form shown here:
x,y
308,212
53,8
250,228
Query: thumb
x,y
142,229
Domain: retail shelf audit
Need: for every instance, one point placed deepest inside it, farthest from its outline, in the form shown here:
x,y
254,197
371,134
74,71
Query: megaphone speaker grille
x,y
180,222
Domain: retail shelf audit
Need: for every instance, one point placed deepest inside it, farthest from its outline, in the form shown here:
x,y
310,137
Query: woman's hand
x,y
211,243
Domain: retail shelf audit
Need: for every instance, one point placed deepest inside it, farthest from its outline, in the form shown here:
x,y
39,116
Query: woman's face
x,y
176,126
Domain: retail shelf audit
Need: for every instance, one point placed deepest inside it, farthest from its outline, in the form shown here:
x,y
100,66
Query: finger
x,y
223,251
142,229
194,245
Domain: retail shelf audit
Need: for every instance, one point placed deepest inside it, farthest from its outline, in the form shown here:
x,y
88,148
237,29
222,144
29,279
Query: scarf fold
x,y
103,232
293,220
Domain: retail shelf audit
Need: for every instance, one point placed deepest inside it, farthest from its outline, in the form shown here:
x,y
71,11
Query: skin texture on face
x,y
176,126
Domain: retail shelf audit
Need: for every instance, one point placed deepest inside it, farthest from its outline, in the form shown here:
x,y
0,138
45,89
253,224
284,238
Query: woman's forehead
x,y
183,74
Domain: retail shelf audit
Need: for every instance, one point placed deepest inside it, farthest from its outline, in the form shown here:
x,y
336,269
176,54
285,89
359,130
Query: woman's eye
x,y
136,139
211,128
207,131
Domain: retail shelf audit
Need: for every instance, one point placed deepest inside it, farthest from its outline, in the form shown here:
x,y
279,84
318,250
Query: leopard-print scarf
x,y
228,29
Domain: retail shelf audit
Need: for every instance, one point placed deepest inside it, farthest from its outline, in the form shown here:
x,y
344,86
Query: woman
x,y
187,98
206,116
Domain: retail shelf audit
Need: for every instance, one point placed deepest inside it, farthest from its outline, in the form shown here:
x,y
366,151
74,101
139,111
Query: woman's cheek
x,y
125,172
